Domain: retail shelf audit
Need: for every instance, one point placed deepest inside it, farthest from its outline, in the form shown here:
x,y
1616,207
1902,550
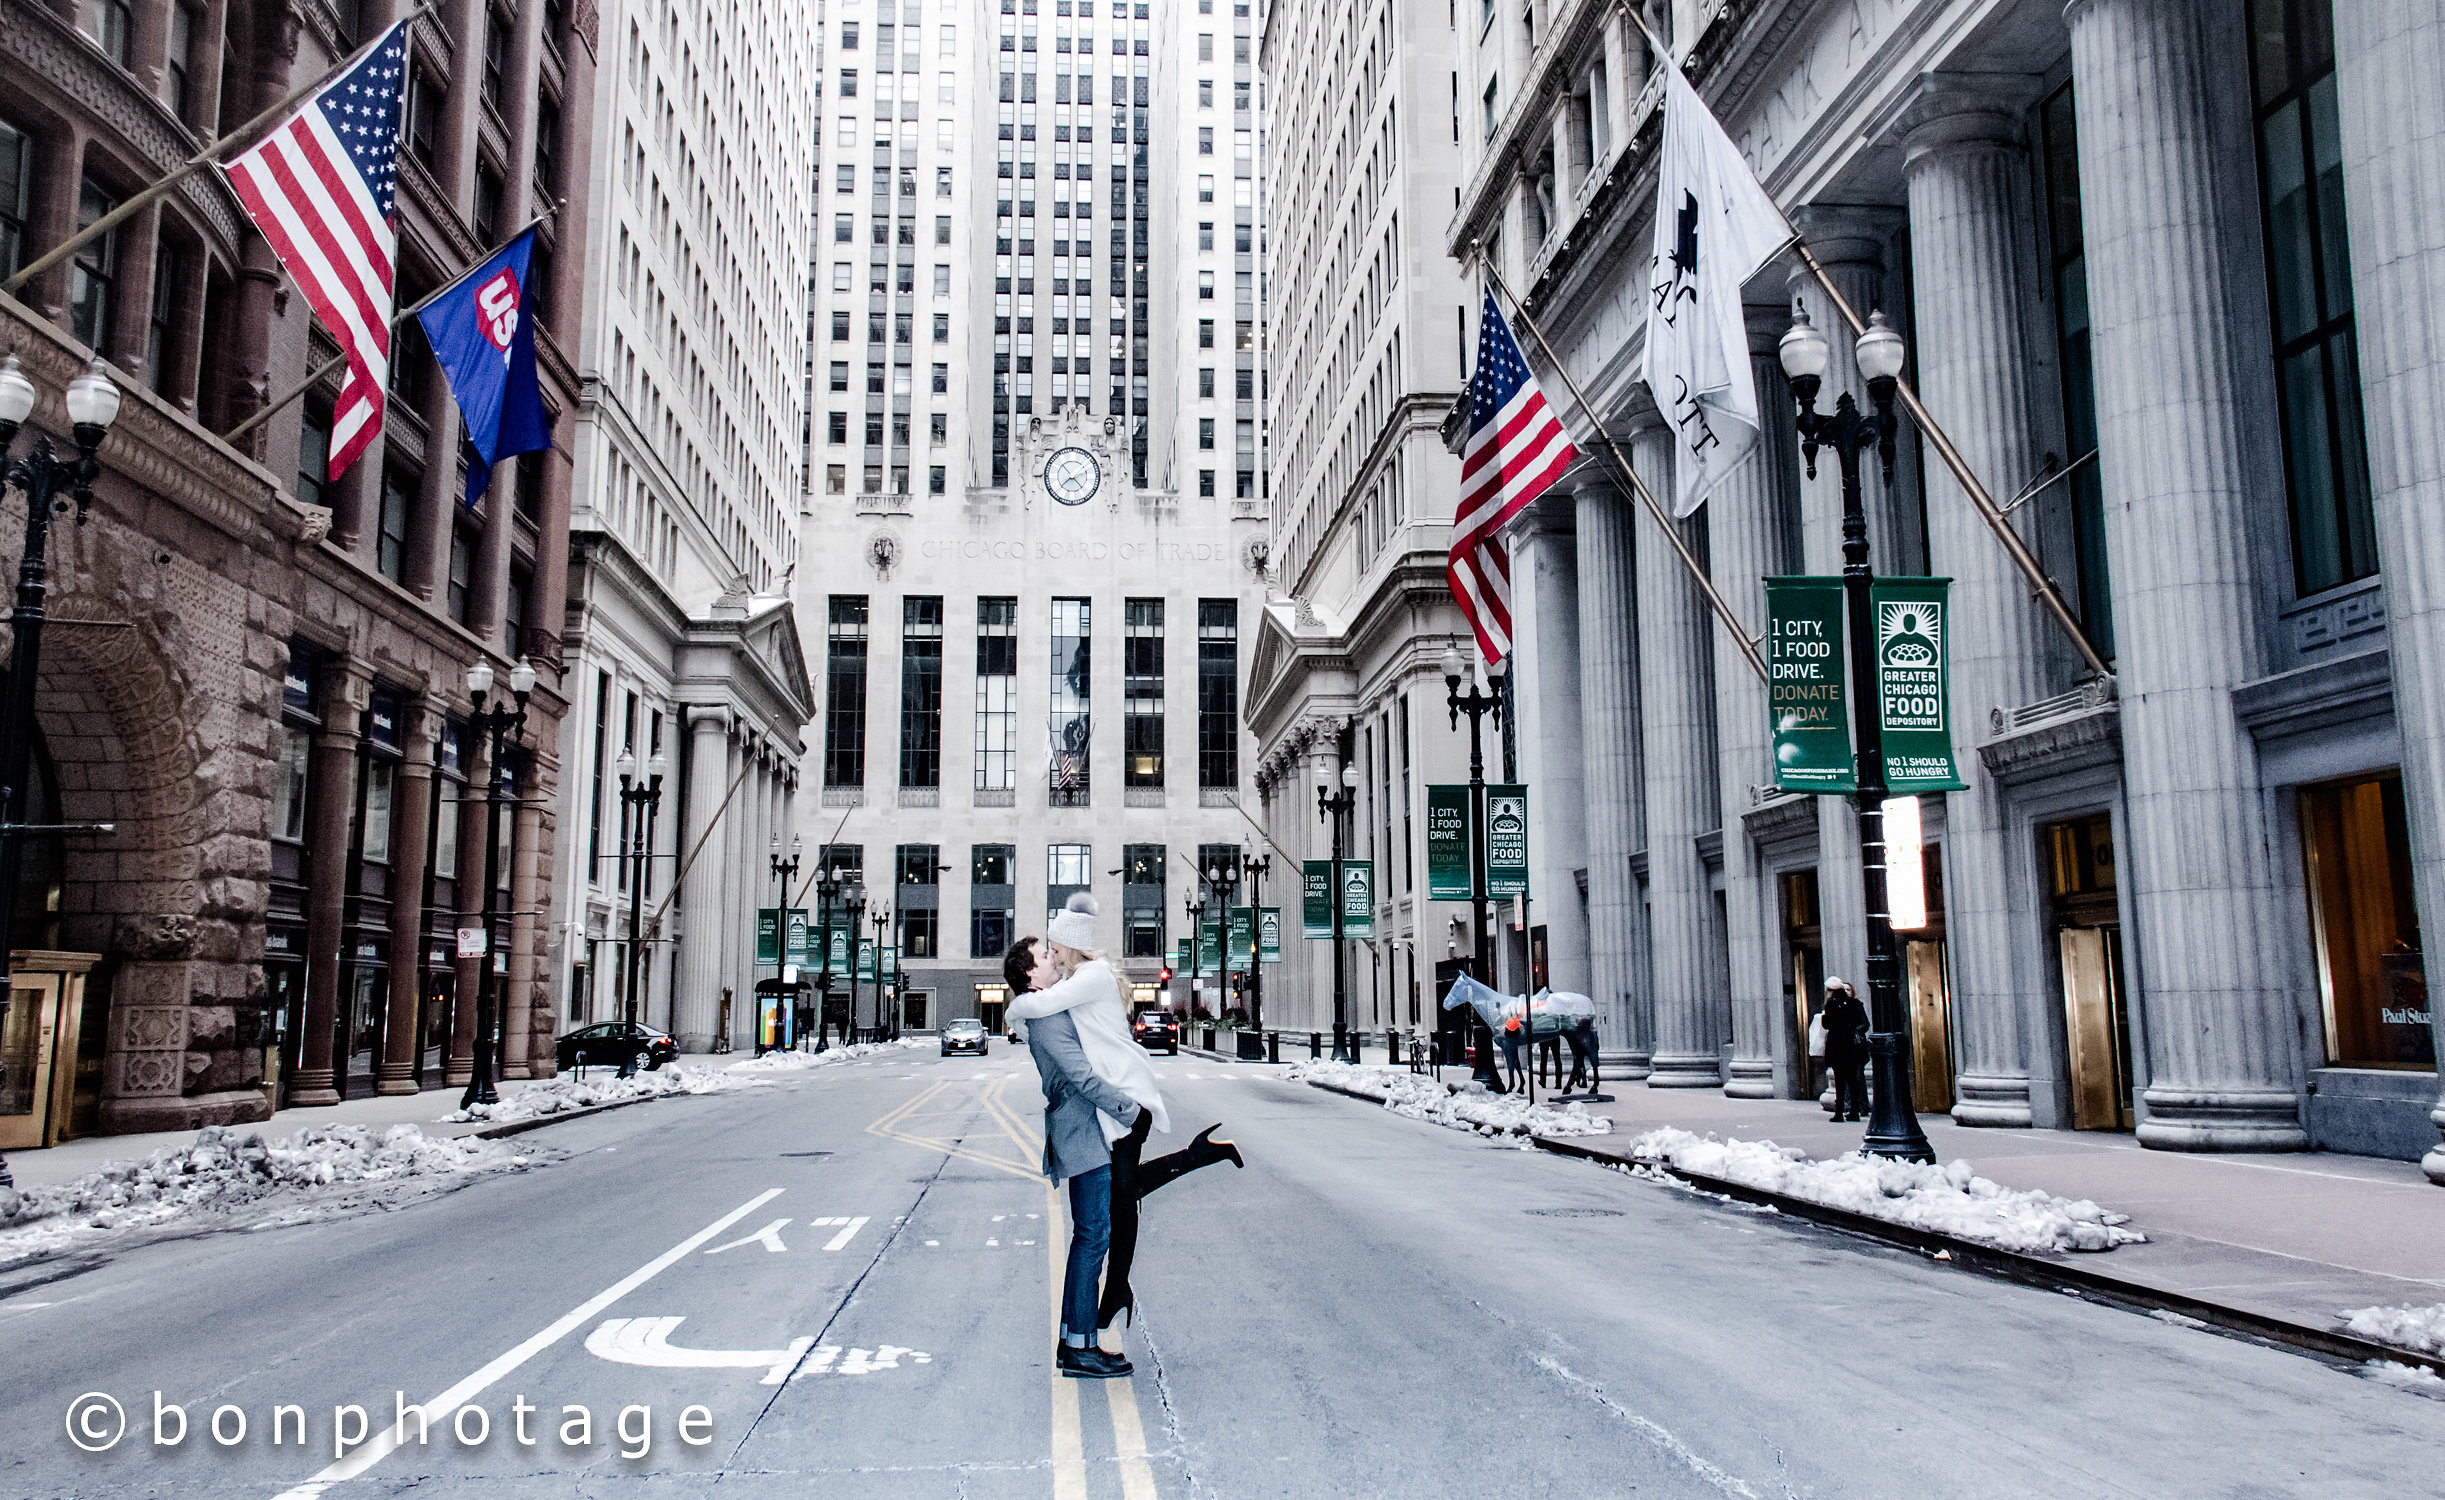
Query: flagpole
x,y
324,371
1672,533
197,162
1984,503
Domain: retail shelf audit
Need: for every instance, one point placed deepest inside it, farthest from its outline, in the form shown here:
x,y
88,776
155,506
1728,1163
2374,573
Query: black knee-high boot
x,y
1201,1152
1132,1180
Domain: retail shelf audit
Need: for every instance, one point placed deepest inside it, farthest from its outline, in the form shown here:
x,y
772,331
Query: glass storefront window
x,y
2357,849
289,785
378,811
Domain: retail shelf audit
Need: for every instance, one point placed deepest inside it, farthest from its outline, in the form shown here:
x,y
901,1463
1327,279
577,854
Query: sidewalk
x,y
73,1159
2299,1237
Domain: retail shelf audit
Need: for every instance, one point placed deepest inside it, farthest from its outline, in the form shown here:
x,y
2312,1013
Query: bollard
x,y
1273,1046
1315,1044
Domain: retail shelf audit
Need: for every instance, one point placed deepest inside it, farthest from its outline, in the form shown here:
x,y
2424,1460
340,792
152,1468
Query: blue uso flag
x,y
480,332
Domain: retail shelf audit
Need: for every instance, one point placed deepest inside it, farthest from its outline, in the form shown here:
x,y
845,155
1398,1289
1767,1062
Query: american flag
x,y
1515,449
319,186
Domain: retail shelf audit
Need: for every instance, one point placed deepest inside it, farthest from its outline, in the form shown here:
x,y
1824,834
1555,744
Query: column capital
x,y
1766,322
1977,110
1844,234
714,718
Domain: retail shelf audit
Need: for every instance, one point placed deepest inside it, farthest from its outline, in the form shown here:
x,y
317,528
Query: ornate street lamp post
x,y
1255,867
1335,807
500,725
784,871
880,916
1221,880
93,403
828,883
640,800
1893,1128
1476,703
1196,910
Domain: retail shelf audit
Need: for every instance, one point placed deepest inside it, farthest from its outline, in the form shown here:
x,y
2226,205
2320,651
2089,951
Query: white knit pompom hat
x,y
1075,926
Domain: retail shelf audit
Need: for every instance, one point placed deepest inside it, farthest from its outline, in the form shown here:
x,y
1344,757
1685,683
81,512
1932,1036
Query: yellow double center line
x,y
1068,1441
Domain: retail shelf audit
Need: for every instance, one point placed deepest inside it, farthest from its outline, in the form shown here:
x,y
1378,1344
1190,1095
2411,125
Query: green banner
x,y
1316,898
836,956
1180,954
1358,898
1506,841
1243,933
1805,702
865,958
1911,683
1209,947
798,942
768,935
1269,934
1447,843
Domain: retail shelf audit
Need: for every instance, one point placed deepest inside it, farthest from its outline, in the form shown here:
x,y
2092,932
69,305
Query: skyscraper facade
x,y
688,455
1003,470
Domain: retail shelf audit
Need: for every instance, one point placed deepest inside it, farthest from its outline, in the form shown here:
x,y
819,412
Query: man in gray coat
x,y
1074,1152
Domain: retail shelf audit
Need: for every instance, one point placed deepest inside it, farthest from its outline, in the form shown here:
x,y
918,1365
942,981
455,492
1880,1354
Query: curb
x,y
521,1127
2031,1270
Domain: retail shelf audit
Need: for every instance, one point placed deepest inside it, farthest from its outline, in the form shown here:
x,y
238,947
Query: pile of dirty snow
x,y
793,1062
223,1170
1421,1097
1949,1199
558,1096
2421,1328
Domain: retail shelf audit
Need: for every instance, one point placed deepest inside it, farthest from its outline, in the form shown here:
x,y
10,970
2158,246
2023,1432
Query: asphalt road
x,y
852,1274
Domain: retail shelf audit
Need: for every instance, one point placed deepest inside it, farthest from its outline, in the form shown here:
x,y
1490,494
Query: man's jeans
x,y
1090,1236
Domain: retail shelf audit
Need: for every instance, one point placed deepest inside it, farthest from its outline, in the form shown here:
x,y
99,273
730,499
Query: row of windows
x,y
1069,722
993,884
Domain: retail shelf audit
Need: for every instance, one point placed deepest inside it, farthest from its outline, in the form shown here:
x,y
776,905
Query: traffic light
x,y
1166,976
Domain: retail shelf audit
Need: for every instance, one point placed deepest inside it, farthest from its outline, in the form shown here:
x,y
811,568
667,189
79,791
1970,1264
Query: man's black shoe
x,y
1092,1363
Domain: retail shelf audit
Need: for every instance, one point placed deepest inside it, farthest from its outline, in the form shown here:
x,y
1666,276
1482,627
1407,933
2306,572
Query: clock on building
x,y
1072,476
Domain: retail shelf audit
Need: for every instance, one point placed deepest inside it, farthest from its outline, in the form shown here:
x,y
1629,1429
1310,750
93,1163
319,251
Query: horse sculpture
x,y
1550,1014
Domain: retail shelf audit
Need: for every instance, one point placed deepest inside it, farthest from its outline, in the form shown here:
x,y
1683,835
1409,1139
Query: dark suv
x,y
1156,1030
614,1042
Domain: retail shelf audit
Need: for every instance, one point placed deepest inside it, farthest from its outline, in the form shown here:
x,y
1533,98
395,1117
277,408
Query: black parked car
x,y
614,1042
963,1035
1156,1029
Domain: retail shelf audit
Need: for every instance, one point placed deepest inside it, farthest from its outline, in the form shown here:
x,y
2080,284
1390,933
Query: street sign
x,y
1804,692
1358,898
768,935
1447,843
1910,615
471,942
1269,934
1506,841
797,940
1316,898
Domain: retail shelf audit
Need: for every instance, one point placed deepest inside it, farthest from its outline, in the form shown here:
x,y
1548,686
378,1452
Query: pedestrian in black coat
x,y
1846,1048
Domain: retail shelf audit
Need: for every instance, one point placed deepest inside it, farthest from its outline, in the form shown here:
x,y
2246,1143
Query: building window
x,y
487,219
2357,848
1142,888
1493,85
937,479
1073,642
2075,360
390,540
1218,693
1142,692
2309,282
289,784
997,694
181,59
314,452
992,899
1205,434
423,117
513,613
1205,333
95,271
115,29
16,173
1068,868
921,690
1205,189
844,738
462,568
1205,483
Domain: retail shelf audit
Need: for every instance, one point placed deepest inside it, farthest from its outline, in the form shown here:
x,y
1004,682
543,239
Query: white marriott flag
x,y
1714,227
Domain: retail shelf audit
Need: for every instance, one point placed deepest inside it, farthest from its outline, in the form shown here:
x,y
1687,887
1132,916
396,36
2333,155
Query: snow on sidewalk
x,y
1949,1198
565,1092
1421,1097
795,1062
2420,1328
223,1170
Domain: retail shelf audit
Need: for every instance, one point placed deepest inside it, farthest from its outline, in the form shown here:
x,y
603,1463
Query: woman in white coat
x,y
1072,976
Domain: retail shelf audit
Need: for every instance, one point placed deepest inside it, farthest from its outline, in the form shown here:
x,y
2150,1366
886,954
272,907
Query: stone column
x,y
1744,545
1676,691
1967,173
131,315
1545,671
2220,1032
411,853
1610,777
2387,53
331,803
204,71
696,997
475,757
1850,244
525,901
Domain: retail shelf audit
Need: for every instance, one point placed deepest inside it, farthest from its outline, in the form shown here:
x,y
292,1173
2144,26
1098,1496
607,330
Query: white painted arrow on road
x,y
646,1341
769,1237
